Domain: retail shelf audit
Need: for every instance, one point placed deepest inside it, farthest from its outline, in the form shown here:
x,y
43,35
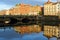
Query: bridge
x,y
17,20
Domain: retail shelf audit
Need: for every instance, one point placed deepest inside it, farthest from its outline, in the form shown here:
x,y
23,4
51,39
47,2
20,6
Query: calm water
x,y
10,34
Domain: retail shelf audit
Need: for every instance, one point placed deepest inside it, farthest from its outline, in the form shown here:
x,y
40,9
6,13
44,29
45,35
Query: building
x,y
22,9
7,12
51,8
11,11
34,10
25,9
58,1
51,31
2,12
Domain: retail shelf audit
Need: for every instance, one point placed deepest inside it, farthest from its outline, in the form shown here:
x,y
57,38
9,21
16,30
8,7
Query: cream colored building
x,y
59,9
51,8
51,31
7,12
34,10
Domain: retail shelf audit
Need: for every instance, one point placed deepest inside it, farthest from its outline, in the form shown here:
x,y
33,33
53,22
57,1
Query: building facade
x,y
24,9
59,8
51,8
2,12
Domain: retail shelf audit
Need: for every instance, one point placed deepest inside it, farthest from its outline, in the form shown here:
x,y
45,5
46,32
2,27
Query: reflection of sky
x,y
10,34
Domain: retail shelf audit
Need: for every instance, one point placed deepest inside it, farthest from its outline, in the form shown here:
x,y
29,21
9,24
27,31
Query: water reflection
x,y
28,29
49,31
10,34
31,32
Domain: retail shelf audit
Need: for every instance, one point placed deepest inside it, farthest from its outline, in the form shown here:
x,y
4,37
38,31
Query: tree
x,y
40,13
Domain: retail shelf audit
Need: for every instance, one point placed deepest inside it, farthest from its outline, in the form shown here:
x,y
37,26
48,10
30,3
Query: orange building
x,y
23,9
20,9
2,12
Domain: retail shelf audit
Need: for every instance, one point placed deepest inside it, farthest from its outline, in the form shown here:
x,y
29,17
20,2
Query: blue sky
x,y
6,4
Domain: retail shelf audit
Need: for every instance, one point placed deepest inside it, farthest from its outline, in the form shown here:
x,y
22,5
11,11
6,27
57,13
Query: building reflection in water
x,y
48,30
51,31
28,29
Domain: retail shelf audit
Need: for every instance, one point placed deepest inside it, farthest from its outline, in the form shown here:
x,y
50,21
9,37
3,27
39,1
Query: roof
x,y
48,2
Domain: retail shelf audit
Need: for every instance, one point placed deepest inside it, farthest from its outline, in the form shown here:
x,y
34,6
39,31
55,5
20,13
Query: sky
x,y
6,4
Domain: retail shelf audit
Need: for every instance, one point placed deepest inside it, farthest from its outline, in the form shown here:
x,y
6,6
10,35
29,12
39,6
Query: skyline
x,y
11,3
